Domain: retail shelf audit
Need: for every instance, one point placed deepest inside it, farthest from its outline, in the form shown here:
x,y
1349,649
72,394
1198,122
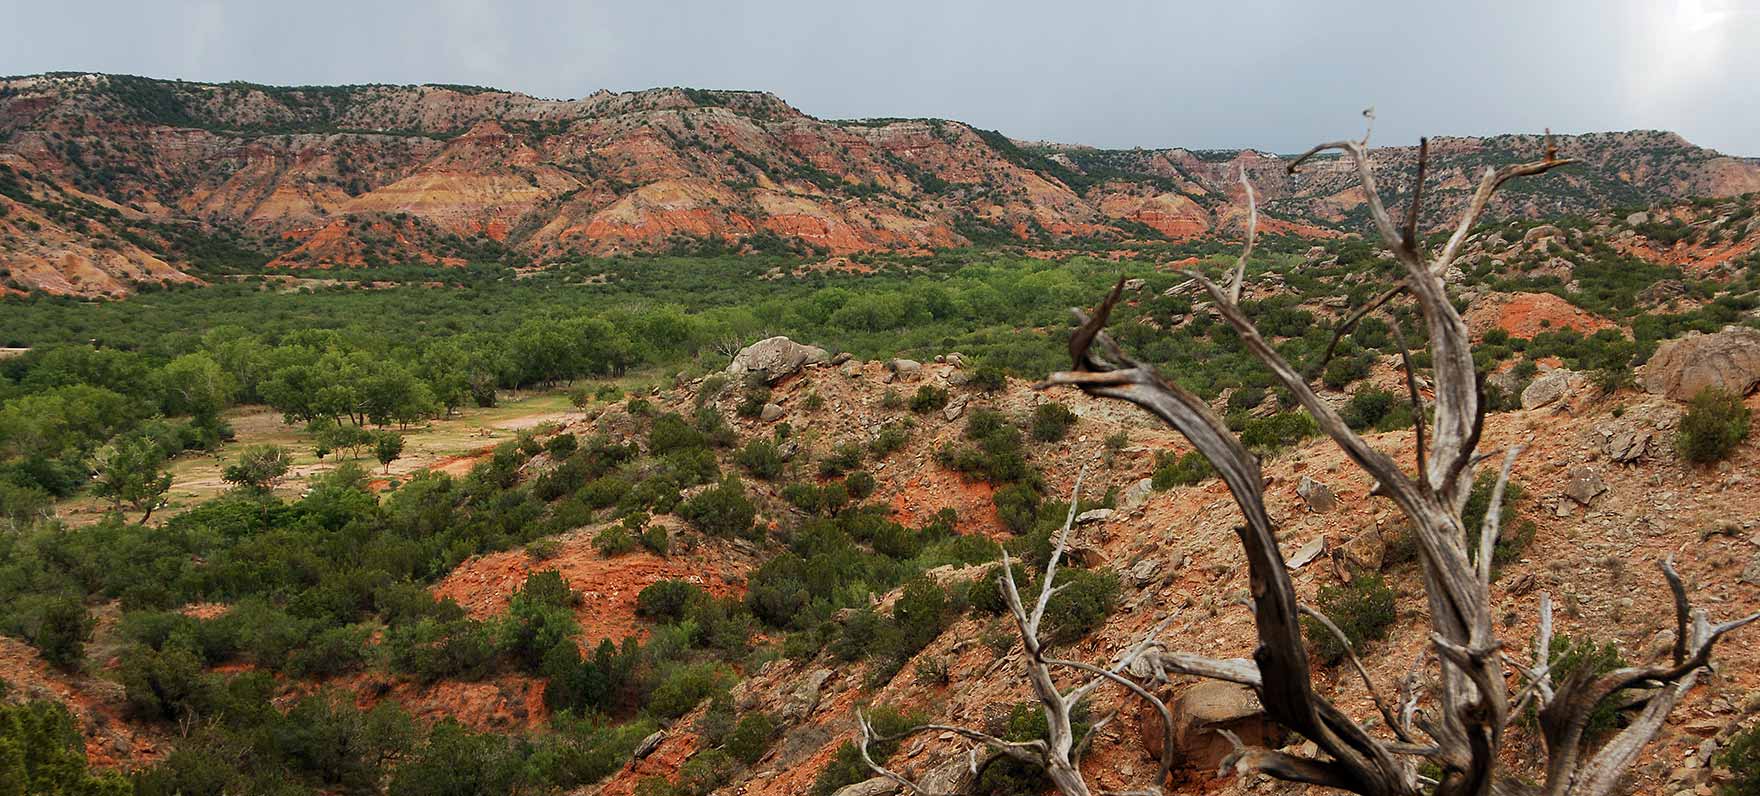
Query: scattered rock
x,y
1548,388
954,408
1751,573
776,358
770,413
842,357
1729,360
1319,497
1145,570
1584,485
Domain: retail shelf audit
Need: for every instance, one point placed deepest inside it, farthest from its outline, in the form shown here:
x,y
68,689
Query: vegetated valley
x,y
441,440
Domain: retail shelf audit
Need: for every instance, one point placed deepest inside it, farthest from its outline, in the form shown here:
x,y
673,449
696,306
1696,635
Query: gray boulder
x,y
801,702
1548,388
1728,360
776,358
770,413
1319,497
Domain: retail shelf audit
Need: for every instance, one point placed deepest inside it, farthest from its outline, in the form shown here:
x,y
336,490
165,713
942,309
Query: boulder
x,y
1637,218
1541,232
1200,713
776,358
952,776
878,786
1629,445
1729,360
649,744
906,369
1138,494
954,408
1362,555
1307,552
1751,573
1134,285
842,357
1094,515
1548,388
1318,496
1584,485
800,702
770,413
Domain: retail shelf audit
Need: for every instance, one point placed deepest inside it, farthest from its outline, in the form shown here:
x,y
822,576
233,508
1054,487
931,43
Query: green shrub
x,y
1362,609
1183,470
1081,605
1582,657
761,458
891,439
42,752
667,600
860,484
1017,506
928,398
989,378
683,686
846,766
720,511
919,615
656,540
843,458
751,737
613,541
1051,421
1367,408
1510,543
1741,757
1276,432
752,403
1715,423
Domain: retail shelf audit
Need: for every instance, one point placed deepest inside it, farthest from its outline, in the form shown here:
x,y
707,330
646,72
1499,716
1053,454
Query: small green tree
x,y
1715,423
130,472
259,469
388,447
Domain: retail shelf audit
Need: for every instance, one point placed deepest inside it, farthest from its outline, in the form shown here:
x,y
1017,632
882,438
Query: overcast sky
x,y
1270,74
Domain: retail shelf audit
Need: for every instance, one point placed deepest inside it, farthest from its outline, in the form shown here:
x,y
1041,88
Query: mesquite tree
x,y
1453,710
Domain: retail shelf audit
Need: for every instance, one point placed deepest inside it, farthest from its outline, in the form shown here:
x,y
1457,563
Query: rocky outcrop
x,y
776,358
1728,360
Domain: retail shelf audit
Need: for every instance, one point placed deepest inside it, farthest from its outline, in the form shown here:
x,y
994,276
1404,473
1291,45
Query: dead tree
x,y
1457,718
1060,753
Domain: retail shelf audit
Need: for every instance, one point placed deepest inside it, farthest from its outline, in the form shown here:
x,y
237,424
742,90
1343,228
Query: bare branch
x,y
1350,323
1362,672
1493,517
1240,267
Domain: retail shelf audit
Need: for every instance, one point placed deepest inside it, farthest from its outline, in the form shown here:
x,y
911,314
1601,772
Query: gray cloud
x,y
1272,74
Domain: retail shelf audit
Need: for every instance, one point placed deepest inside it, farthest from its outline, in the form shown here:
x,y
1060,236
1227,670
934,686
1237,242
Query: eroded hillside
x,y
319,177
